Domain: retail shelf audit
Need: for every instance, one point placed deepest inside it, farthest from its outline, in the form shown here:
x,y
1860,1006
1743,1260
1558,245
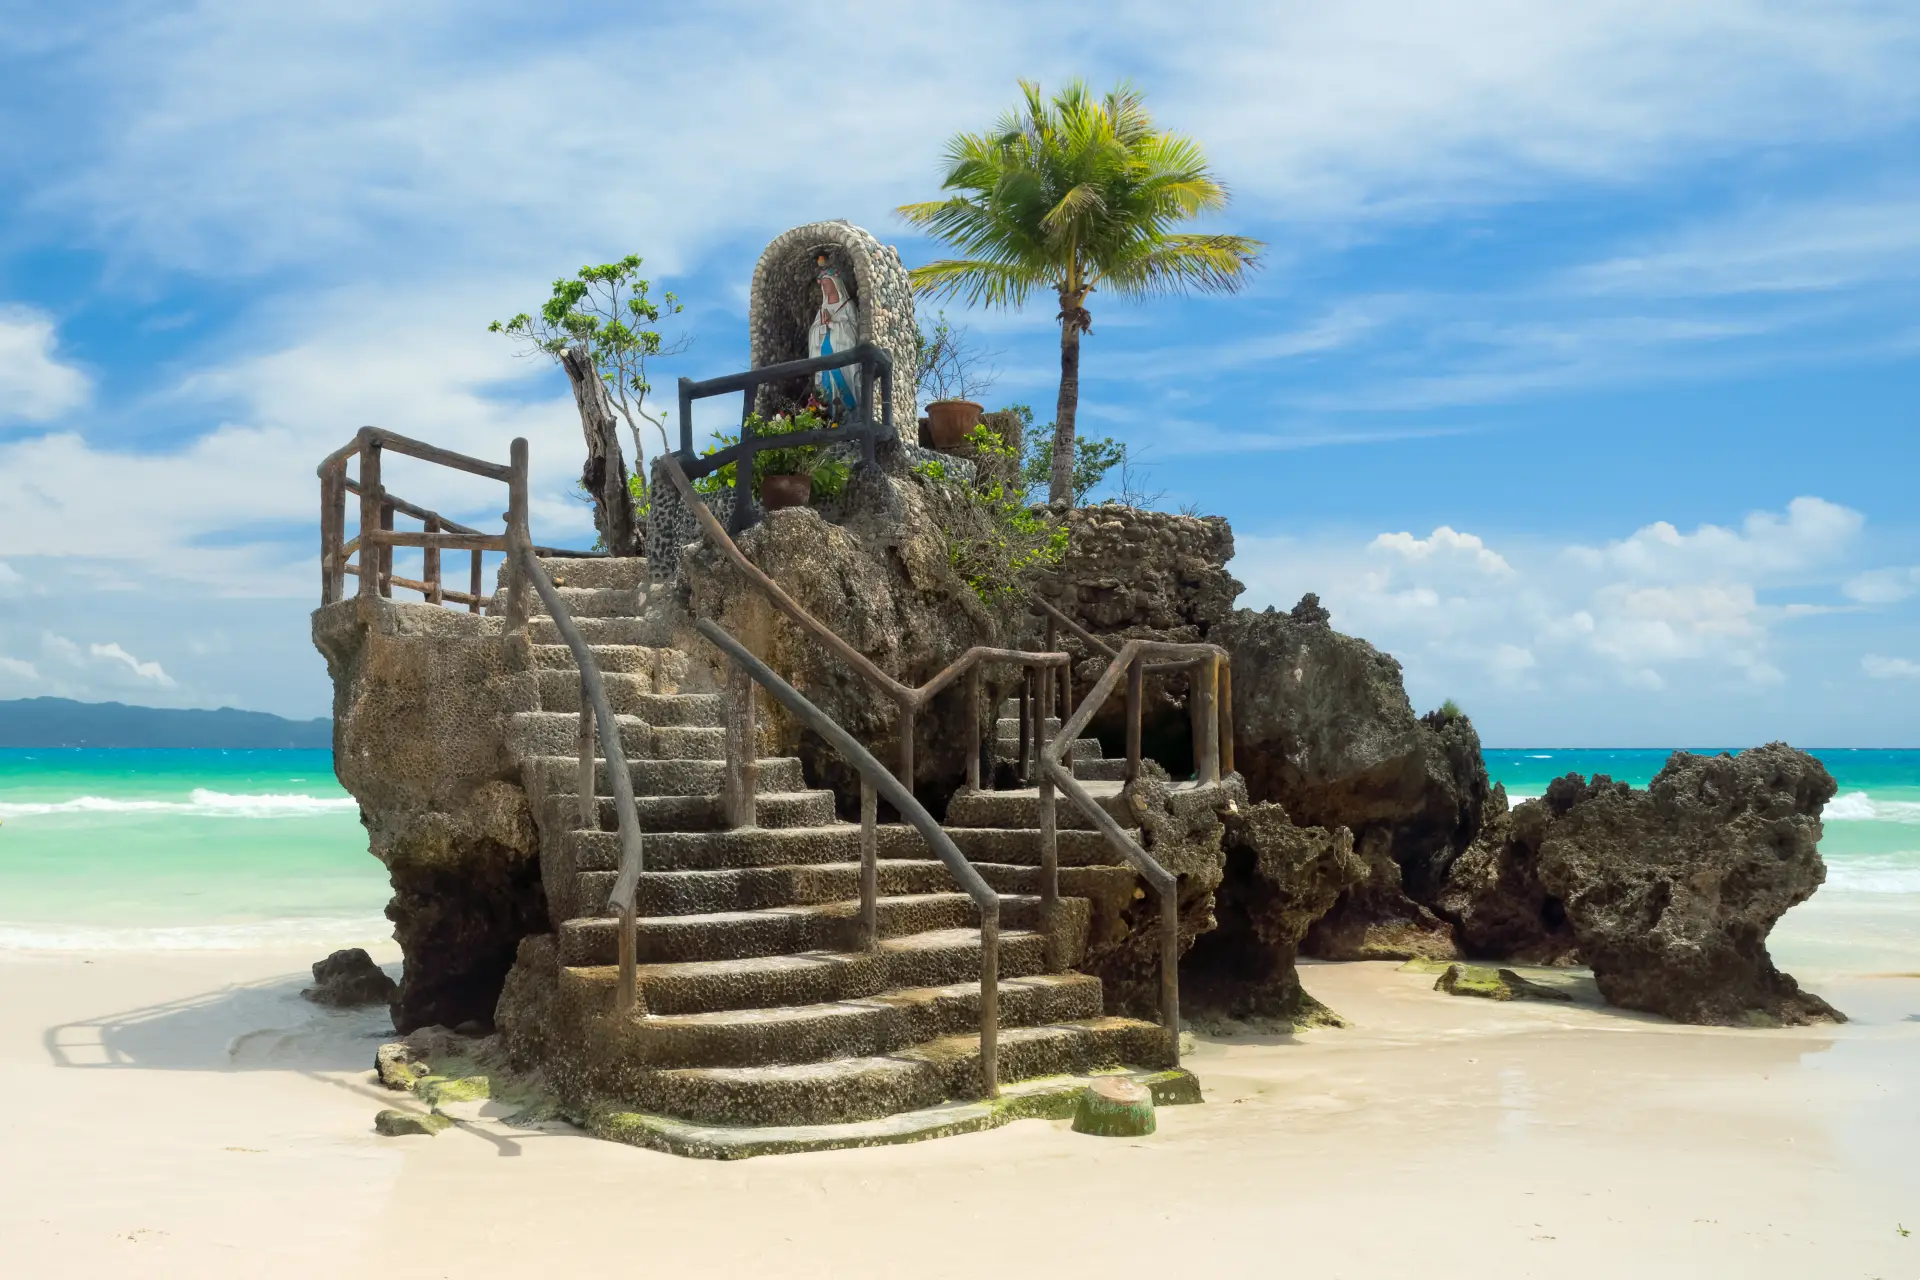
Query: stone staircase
x,y
759,1009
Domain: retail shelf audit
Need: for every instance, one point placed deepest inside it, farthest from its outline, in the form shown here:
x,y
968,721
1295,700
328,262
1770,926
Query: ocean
x,y
103,849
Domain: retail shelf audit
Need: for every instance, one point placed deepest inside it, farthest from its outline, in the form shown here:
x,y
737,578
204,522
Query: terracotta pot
x,y
948,421
785,491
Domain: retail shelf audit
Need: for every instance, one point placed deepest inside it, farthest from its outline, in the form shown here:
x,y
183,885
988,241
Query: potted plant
x,y
952,372
792,476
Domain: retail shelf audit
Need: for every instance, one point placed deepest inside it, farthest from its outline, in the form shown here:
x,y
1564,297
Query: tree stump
x,y
1114,1108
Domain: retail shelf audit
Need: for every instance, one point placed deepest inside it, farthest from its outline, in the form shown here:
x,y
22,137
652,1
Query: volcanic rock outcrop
x,y
1492,893
1278,879
882,580
420,700
1323,727
1670,892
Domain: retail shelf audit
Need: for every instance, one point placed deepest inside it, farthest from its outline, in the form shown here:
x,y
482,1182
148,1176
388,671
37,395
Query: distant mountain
x,y
61,722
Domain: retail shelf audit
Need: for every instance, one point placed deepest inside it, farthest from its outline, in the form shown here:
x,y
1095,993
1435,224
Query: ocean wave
x,y
200,802
1858,806
317,931
1879,873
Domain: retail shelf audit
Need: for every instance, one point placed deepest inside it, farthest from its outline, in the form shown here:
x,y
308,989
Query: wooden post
x,y
331,538
518,538
474,605
629,973
583,745
430,565
386,549
1136,683
869,867
990,1001
370,501
1170,966
1053,643
738,798
1203,698
973,725
1049,863
908,718
1226,716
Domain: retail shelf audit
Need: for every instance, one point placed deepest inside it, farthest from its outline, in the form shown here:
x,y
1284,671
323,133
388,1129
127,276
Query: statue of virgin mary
x,y
835,328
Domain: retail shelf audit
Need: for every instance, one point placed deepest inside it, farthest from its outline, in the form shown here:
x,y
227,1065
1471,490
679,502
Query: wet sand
x,y
186,1114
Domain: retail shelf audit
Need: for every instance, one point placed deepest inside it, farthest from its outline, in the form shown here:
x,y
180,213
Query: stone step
x,y
675,893
551,733
689,742
772,809
1008,748
847,1089
560,691
869,1025
630,659
651,631
1021,808
1008,726
765,846
584,602
771,931
931,959
560,775
1100,770
595,571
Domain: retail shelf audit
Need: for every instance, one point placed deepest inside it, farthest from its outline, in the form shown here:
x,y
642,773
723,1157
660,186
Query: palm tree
x,y
1075,194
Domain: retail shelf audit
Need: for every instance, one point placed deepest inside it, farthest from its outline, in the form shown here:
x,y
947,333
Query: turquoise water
x,y
182,849
190,849
1872,827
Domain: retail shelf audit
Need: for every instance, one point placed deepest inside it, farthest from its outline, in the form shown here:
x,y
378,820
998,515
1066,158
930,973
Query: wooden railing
x,y
876,782
375,543
908,698
865,430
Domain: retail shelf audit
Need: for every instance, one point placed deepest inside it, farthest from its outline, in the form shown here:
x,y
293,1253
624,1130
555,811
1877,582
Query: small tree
x,y
600,328
1070,195
951,365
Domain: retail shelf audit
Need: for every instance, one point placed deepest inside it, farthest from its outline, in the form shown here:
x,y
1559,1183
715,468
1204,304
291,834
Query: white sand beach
x,y
186,1115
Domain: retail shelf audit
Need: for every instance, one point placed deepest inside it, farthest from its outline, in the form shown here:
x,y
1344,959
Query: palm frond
x,y
979,282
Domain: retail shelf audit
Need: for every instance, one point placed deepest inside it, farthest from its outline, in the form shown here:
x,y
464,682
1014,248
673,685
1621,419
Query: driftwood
x,y
605,473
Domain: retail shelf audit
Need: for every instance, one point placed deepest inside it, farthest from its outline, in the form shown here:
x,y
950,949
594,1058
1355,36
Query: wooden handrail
x,y
875,778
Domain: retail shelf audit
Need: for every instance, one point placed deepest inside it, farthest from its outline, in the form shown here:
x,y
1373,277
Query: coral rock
x,y
348,978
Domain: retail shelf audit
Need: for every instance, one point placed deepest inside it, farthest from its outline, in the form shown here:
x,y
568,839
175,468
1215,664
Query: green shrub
x,y
995,541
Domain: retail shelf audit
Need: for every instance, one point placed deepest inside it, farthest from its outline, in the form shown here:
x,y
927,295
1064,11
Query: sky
x,y
1581,373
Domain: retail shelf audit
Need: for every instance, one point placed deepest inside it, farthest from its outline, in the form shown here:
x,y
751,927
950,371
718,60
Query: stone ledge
x,y
1046,1098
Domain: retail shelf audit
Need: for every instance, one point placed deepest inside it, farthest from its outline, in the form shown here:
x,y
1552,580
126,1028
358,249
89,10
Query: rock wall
x,y
420,701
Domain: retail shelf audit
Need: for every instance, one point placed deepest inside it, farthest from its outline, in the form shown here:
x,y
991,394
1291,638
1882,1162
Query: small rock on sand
x,y
400,1124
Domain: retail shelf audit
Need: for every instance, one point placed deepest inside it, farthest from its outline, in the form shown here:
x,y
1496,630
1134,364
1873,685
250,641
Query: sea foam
x,y
1858,806
315,931
200,802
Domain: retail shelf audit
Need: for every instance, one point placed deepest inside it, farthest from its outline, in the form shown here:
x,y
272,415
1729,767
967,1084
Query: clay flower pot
x,y
785,491
948,421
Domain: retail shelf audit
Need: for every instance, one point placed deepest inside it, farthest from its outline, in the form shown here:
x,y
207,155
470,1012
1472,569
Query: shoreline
x,y
184,1113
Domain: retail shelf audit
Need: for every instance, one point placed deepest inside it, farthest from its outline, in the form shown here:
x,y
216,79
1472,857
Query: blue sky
x,y
1583,373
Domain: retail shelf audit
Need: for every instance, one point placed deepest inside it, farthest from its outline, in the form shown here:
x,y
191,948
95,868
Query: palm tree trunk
x,y
1073,322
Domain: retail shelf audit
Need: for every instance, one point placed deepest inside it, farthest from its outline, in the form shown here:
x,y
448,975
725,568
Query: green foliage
x,y
1449,712
610,312
1000,542
1074,194
1094,457
829,474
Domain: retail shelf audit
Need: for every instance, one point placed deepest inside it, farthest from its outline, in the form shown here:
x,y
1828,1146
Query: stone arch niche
x,y
785,297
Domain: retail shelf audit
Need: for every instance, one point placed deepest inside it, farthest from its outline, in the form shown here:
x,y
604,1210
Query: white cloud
x,y
18,669
10,579
1883,586
1883,668
35,386
1637,613
144,670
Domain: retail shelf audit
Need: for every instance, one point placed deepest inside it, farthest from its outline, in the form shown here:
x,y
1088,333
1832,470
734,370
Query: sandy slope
x,y
185,1115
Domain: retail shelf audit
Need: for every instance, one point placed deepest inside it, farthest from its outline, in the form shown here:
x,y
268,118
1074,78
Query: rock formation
x,y
1278,879
1670,892
1492,893
349,978
420,699
882,581
1322,726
